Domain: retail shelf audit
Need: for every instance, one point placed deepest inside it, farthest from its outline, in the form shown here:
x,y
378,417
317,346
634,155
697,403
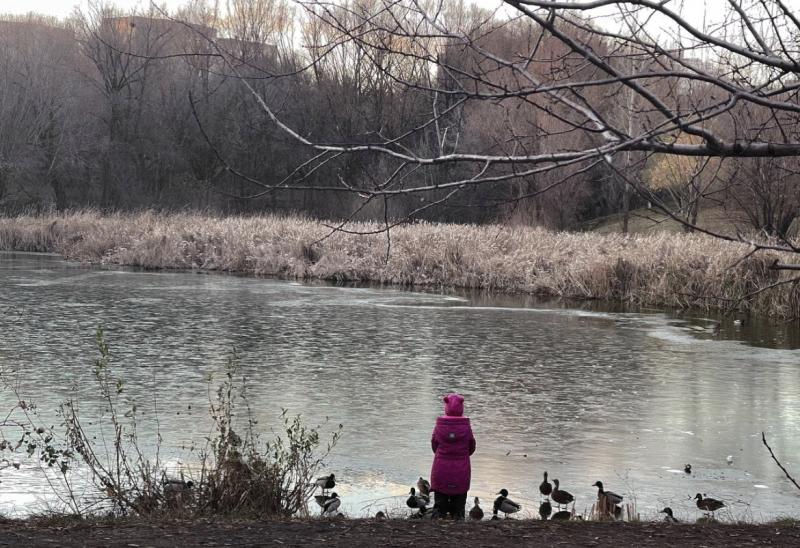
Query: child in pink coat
x,y
452,443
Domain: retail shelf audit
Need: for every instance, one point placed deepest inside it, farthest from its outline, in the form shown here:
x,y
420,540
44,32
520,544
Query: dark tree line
x,y
405,109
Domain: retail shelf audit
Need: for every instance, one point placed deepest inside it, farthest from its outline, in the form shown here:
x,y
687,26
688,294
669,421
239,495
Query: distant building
x,y
144,36
249,53
151,36
29,30
159,37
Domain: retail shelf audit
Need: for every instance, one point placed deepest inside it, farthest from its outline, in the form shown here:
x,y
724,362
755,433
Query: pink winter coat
x,y
452,442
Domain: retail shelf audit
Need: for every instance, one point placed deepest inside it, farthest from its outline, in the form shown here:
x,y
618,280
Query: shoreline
x,y
394,532
678,271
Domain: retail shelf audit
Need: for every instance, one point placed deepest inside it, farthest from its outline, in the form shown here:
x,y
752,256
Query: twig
x,y
771,454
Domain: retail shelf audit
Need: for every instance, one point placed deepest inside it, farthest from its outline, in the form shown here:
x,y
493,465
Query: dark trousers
x,y
449,505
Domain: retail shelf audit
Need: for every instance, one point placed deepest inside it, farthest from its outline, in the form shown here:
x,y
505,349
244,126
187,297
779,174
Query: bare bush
x,y
234,474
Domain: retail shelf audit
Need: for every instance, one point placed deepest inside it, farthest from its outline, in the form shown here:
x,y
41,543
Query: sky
x,y
57,8
62,8
696,11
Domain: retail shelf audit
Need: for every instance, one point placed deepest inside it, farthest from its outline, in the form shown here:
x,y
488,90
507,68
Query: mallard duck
x,y
559,496
326,482
177,492
545,509
545,488
332,504
417,501
708,504
177,485
610,496
687,468
669,518
505,505
562,515
424,486
321,500
476,512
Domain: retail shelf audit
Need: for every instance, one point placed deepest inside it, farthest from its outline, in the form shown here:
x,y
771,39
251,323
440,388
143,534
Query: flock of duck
x,y
608,503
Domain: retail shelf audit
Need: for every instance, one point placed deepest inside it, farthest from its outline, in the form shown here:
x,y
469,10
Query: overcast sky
x,y
702,13
58,8
62,8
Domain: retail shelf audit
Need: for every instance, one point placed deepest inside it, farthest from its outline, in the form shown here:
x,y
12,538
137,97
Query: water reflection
x,y
625,397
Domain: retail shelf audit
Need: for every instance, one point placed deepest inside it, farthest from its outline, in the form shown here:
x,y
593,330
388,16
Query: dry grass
x,y
673,270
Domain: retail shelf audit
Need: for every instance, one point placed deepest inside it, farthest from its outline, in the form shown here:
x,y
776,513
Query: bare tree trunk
x,y
626,208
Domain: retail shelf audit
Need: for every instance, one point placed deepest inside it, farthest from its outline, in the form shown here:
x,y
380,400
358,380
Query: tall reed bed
x,y
673,270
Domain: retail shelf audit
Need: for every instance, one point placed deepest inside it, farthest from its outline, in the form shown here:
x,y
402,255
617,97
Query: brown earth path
x,y
391,533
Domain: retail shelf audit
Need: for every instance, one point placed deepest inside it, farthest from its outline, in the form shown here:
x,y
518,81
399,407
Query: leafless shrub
x,y
236,474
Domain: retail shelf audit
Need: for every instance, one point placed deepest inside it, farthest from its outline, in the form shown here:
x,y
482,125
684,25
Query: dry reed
x,y
671,270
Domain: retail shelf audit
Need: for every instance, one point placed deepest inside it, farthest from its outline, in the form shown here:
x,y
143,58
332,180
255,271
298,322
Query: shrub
x,y
236,474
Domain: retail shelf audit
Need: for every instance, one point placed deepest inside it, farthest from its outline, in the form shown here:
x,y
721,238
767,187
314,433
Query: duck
x,y
476,512
424,486
326,482
562,515
423,515
559,496
332,504
687,468
545,488
708,504
505,505
417,501
175,485
729,459
177,492
380,515
321,500
545,509
669,518
610,496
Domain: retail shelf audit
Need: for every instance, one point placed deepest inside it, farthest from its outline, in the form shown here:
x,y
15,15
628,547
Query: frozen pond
x,y
627,398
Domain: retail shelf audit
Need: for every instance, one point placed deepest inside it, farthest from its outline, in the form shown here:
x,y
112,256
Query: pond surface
x,y
627,398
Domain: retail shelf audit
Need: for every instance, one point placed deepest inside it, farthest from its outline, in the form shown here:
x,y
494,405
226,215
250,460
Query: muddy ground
x,y
390,533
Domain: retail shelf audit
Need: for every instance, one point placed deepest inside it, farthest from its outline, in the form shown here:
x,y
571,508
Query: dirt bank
x,y
391,533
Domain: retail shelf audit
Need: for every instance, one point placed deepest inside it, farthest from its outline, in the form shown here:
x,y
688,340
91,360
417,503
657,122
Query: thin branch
x,y
772,454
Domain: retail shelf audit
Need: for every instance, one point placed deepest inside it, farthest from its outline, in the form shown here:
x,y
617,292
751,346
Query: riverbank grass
x,y
668,270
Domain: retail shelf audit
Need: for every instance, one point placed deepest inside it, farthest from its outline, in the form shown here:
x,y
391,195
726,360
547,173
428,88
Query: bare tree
x,y
767,192
38,109
682,89
549,112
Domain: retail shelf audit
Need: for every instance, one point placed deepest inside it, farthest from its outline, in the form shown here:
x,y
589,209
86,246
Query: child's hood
x,y
454,405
